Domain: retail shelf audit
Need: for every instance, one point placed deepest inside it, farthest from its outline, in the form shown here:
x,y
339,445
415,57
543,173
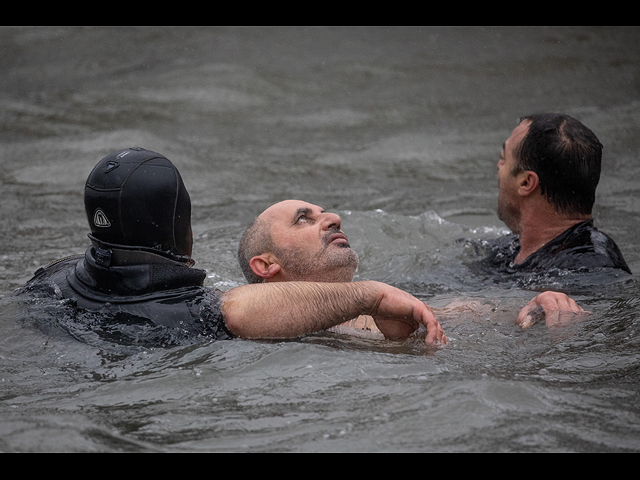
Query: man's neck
x,y
539,228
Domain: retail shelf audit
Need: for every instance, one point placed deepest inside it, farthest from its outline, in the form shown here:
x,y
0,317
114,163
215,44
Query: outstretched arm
x,y
291,309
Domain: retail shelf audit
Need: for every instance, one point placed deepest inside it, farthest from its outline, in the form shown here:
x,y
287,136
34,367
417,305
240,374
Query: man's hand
x,y
550,304
399,314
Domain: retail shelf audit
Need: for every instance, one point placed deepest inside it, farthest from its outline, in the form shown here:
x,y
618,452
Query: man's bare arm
x,y
291,309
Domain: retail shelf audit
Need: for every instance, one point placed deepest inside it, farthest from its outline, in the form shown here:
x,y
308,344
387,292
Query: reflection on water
x,y
396,129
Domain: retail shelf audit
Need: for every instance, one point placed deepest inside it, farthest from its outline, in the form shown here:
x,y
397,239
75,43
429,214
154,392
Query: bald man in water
x,y
295,241
298,241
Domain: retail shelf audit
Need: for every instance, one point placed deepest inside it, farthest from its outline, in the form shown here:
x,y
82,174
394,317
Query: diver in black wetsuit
x,y
134,285
548,173
137,269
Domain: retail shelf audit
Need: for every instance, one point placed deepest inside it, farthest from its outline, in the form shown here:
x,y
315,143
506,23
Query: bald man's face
x,y
309,244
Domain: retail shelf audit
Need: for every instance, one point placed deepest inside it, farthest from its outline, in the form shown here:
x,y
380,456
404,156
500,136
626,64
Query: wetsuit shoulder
x,y
580,248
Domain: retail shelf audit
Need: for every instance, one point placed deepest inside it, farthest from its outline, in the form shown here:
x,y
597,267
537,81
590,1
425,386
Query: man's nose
x,y
331,221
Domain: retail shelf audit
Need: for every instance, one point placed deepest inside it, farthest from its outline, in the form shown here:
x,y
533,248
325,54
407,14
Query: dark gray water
x,y
396,129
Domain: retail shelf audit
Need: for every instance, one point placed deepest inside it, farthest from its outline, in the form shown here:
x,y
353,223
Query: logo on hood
x,y
100,219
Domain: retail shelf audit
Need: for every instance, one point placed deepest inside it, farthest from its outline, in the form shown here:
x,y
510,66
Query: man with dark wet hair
x,y
137,275
295,241
548,172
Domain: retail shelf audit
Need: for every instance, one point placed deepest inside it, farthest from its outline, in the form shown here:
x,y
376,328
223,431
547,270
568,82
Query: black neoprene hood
x,y
136,198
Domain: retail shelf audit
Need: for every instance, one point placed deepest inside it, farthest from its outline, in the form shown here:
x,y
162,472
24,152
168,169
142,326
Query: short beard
x,y
329,265
509,215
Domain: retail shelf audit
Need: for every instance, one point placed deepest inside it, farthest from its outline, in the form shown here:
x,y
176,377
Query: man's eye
x,y
304,218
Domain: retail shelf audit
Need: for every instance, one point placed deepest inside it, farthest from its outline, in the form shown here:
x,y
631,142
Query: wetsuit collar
x,y
111,255
137,273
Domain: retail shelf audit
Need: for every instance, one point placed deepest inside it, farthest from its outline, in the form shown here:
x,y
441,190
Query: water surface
x,y
398,130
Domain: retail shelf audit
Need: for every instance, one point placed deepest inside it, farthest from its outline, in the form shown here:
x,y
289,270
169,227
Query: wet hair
x,y
136,198
255,241
566,156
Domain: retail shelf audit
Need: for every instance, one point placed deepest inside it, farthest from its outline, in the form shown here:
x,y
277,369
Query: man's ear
x,y
528,182
264,266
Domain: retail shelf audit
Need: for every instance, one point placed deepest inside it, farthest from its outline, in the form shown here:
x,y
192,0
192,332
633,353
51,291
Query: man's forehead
x,y
519,132
288,208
